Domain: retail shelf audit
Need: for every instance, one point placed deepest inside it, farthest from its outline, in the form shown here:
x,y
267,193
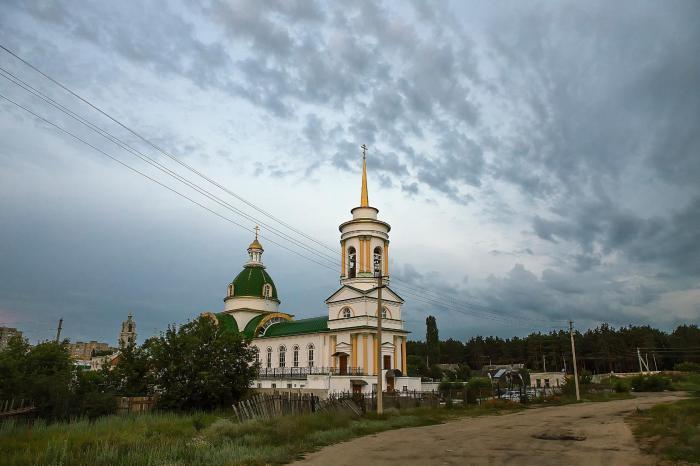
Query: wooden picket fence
x,y
13,407
264,406
135,404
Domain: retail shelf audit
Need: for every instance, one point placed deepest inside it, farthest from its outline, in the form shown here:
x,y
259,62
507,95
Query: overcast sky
x,y
538,161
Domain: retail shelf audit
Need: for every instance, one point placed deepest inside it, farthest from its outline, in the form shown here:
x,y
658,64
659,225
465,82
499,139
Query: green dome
x,y
250,282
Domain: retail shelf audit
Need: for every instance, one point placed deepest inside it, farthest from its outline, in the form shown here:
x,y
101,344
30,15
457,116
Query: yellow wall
x,y
361,255
333,339
353,350
343,253
386,258
365,367
404,365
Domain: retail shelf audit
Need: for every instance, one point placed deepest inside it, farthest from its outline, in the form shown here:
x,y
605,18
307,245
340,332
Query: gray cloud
x,y
570,128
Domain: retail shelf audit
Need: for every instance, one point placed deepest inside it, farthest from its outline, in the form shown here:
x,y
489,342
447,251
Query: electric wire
x,y
115,140
78,138
17,81
162,151
493,315
424,299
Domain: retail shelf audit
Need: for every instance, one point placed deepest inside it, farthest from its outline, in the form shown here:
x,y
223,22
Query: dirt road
x,y
507,439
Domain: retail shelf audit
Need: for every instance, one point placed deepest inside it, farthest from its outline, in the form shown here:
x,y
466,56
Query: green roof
x,y
250,282
252,325
297,327
227,322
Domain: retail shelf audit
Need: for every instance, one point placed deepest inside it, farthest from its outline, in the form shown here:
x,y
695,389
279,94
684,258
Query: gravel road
x,y
602,438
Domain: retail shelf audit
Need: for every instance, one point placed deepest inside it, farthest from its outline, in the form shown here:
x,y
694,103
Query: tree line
x,y
197,365
599,350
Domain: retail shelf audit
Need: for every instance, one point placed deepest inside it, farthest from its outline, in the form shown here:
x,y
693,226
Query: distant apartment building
x,y
5,334
85,350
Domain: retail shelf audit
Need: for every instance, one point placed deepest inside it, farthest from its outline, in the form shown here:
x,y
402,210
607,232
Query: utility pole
x,y
642,364
639,358
58,330
564,359
544,364
573,355
378,273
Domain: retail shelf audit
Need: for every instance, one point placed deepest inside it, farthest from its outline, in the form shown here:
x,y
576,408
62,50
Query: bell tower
x,y
127,336
364,242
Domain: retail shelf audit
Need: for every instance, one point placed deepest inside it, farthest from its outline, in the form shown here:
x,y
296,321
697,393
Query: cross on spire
x,y
364,197
257,230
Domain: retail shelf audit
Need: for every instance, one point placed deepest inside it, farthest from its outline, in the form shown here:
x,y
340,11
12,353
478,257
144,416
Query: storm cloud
x,y
549,151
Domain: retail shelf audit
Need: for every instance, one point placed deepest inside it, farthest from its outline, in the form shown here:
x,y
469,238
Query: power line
x,y
78,138
485,313
17,81
158,148
161,150
428,300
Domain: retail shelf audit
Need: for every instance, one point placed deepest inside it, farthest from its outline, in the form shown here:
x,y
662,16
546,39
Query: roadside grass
x,y
558,400
671,431
687,382
204,438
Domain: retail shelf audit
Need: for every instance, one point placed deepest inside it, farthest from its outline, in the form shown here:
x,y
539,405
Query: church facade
x,y
336,352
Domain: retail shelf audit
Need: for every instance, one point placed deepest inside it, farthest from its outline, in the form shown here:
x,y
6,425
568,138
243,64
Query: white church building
x,y
335,352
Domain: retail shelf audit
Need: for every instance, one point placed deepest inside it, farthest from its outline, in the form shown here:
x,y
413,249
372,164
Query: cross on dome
x,y
255,249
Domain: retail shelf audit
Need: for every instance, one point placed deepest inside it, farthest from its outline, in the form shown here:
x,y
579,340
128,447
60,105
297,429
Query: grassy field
x,y
202,439
671,431
163,438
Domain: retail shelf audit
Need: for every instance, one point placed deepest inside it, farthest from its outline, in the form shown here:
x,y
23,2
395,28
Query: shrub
x,y
650,383
476,387
620,386
687,366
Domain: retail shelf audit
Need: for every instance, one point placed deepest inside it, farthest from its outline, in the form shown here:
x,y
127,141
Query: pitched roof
x,y
227,321
252,324
297,327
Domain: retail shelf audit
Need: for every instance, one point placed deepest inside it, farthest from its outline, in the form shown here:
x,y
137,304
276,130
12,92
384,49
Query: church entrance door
x,y
343,364
390,383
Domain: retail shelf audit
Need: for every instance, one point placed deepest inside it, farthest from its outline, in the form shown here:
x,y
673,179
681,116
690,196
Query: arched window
x,y
377,261
283,356
310,349
269,357
295,355
352,262
267,291
345,313
385,313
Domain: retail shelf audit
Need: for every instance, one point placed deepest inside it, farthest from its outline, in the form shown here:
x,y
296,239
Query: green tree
x,y
131,376
42,374
200,366
432,341
12,368
92,394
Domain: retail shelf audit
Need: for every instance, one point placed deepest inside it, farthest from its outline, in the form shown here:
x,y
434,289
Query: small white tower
x,y
128,334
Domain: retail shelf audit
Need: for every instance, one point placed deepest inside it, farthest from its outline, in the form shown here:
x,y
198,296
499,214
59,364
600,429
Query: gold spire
x,y
364,198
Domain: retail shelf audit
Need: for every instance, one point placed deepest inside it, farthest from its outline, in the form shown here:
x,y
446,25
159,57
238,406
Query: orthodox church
x,y
336,352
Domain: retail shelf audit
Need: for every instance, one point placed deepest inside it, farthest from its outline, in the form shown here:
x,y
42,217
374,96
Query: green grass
x,y
670,430
203,438
686,382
